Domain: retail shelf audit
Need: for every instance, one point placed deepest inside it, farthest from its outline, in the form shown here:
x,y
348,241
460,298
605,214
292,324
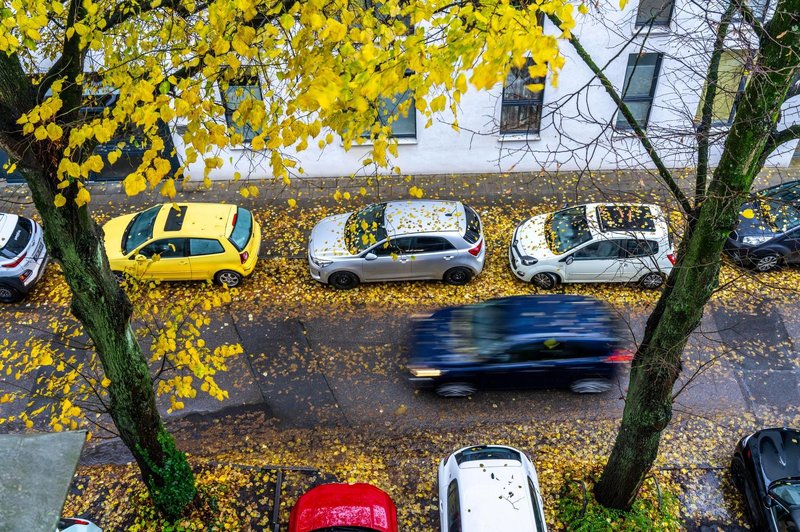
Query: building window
x,y
654,12
244,87
398,113
521,111
758,7
731,81
639,88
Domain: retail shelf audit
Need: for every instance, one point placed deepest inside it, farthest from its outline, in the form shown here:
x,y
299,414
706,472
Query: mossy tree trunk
x,y
657,364
75,241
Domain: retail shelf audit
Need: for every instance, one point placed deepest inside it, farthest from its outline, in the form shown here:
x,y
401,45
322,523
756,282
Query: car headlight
x,y
425,372
528,261
319,263
756,240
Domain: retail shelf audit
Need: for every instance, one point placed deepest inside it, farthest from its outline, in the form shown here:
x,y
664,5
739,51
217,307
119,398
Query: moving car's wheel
x,y
767,262
652,280
343,280
9,294
229,278
593,385
455,389
457,276
545,281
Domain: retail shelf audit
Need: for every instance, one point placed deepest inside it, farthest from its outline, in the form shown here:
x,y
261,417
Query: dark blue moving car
x,y
767,234
545,341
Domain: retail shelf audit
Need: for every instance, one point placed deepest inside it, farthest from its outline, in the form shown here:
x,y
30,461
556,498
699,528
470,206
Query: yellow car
x,y
192,240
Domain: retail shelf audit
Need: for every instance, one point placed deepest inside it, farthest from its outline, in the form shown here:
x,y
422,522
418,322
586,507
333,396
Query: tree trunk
x,y
657,364
75,240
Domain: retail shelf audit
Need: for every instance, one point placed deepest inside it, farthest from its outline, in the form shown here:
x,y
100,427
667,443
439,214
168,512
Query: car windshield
x,y
242,228
18,240
781,216
566,229
486,452
140,230
365,228
787,493
478,329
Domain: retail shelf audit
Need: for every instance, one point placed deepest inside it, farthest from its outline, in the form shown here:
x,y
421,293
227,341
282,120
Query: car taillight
x,y
671,258
619,356
235,217
16,262
243,256
477,249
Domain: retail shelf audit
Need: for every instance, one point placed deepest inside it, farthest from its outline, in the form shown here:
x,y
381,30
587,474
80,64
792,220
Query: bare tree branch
x,y
663,171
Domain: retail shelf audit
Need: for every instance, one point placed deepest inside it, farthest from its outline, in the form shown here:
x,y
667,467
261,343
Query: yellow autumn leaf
x,y
292,202
83,197
59,200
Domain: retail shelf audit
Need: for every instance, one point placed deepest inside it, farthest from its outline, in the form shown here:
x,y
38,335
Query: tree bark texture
x,y
75,241
657,364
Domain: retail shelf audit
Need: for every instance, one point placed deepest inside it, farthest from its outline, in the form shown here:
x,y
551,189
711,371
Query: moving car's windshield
x,y
365,228
478,329
140,229
566,229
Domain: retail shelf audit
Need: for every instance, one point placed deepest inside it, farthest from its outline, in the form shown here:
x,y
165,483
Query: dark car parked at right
x,y
766,470
545,341
767,234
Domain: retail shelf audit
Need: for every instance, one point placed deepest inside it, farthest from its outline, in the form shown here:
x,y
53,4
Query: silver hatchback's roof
x,y
424,216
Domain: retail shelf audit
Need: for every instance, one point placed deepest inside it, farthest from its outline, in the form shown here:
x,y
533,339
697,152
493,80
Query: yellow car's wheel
x,y
229,278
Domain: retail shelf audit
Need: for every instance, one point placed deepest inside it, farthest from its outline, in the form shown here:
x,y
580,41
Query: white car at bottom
x,y
594,243
489,488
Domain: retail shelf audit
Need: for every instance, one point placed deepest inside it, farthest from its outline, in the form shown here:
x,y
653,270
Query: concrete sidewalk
x,y
554,188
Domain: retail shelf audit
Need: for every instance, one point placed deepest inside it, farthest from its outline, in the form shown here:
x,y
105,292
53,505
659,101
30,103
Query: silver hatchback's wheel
x,y
652,280
343,280
457,276
9,294
596,385
455,389
545,281
228,278
767,262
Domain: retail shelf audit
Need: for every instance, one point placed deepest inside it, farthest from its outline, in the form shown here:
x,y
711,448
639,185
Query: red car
x,y
349,506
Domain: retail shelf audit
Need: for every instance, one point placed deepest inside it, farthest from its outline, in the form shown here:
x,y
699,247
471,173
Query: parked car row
x,y
481,489
413,239
489,488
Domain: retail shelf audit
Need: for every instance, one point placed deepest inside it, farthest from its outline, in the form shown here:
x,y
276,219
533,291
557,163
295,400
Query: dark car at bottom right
x,y
767,234
766,470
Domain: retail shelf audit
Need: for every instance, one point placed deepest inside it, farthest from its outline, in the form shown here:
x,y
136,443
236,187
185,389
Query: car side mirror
x,y
140,258
370,256
568,260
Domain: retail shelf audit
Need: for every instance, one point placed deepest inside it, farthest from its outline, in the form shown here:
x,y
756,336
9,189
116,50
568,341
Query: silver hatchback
x,y
23,256
398,240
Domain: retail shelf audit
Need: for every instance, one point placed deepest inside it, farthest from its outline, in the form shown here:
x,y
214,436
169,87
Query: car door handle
x,y
448,257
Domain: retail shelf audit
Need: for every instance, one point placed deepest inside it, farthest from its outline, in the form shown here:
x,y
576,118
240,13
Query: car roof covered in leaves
x,y
620,220
424,216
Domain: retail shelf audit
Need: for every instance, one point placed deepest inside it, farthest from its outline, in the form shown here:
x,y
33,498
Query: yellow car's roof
x,y
194,219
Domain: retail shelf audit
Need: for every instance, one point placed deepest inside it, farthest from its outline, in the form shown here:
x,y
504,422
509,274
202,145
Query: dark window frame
x,y
244,80
383,118
535,100
652,19
453,514
625,126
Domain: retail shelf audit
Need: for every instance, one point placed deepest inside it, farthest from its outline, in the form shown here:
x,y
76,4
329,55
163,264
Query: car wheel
x,y
343,280
594,385
455,389
9,294
457,276
737,473
228,278
768,262
652,280
545,281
